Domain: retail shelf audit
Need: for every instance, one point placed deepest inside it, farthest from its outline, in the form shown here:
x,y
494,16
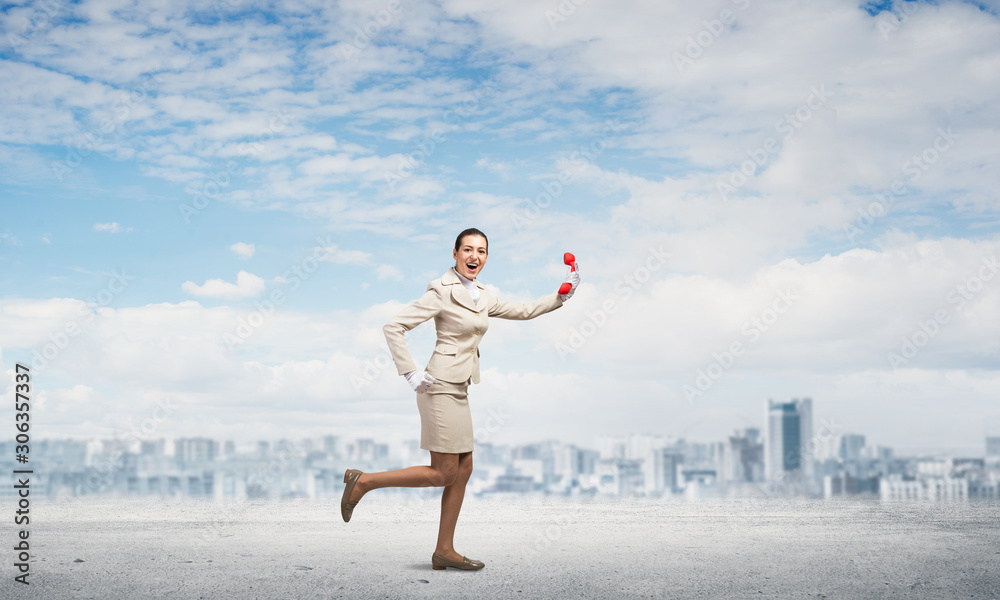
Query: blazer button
x,y
473,351
477,332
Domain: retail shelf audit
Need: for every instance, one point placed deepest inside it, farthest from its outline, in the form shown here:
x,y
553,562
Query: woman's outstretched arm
x,y
526,310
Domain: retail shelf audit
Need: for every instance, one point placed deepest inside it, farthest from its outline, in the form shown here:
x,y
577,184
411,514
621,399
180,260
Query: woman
x,y
460,307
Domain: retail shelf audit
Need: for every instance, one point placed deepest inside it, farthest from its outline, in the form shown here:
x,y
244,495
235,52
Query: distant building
x,y
587,459
669,470
851,445
331,445
195,450
924,488
742,457
609,446
788,431
699,483
993,451
644,448
619,476
489,454
846,485
153,447
514,481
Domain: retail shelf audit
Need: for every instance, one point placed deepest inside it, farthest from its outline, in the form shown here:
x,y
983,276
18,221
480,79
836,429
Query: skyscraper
x,y
993,450
788,454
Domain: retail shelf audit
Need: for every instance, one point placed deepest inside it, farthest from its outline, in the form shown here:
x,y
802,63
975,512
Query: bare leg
x,y
451,504
443,470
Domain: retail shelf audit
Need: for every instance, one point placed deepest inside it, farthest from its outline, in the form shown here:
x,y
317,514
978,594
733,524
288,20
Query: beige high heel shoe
x,y
439,563
346,508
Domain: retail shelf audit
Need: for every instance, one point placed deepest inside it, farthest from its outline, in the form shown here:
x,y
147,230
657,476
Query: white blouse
x,y
469,285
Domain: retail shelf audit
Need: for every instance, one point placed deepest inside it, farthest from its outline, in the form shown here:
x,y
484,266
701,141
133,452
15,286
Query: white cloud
x,y
345,257
499,167
9,239
243,250
247,285
113,227
389,272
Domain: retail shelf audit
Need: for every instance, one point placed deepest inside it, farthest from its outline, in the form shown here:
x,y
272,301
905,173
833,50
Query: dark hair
x,y
471,231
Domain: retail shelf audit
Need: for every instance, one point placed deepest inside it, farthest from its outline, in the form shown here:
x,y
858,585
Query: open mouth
x,y
471,267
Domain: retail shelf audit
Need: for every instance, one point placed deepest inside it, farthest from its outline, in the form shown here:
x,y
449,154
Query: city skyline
x,y
839,464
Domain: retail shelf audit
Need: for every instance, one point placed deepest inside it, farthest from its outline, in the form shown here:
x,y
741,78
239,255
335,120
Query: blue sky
x,y
203,155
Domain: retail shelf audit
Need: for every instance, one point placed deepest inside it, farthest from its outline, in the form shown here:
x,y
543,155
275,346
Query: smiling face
x,y
470,258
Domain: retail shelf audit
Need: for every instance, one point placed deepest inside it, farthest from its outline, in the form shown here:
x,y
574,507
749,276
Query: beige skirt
x,y
445,418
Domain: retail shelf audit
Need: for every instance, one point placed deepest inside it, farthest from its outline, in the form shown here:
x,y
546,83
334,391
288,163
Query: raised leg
x,y
444,469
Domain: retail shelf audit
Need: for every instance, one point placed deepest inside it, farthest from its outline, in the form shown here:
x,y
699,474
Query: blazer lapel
x,y
461,295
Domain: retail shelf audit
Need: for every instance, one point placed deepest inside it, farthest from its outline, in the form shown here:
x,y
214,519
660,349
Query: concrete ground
x,y
532,547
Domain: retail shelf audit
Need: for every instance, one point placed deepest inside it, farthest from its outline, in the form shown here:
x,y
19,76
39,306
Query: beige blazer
x,y
460,323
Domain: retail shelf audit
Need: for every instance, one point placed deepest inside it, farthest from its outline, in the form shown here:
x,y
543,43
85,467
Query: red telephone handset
x,y
570,260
